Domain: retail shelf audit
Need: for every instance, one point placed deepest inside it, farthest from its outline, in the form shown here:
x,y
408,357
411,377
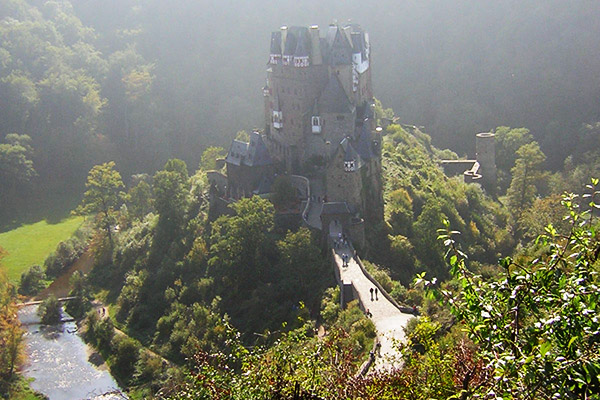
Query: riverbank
x,y
62,365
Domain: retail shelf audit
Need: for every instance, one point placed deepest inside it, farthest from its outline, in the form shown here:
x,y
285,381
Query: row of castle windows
x,y
299,62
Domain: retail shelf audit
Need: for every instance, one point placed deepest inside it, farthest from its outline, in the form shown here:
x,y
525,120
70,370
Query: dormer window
x,y
350,166
287,60
316,124
277,119
301,62
274,59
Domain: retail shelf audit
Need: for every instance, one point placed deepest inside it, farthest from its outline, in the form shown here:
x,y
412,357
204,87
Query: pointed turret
x,y
302,52
275,53
333,98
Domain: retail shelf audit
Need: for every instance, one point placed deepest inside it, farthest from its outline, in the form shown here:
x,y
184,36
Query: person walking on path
x,y
371,290
376,294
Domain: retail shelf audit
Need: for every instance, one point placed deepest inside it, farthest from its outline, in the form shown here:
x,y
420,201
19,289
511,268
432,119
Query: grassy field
x,y
30,244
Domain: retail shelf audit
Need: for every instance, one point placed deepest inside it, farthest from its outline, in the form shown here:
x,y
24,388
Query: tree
x,y
16,167
139,200
32,281
525,176
126,354
11,334
101,197
79,289
171,198
210,156
50,311
300,264
284,193
239,241
535,324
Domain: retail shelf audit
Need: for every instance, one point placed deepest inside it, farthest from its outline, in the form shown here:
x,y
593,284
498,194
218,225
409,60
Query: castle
x,y
318,124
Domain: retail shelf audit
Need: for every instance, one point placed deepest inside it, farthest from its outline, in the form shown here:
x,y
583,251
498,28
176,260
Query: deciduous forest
x,y
115,111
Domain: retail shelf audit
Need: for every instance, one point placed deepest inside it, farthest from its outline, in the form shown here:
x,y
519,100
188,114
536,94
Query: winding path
x,y
389,321
388,318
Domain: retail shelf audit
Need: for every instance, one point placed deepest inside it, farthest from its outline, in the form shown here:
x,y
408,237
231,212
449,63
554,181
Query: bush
x,y
126,354
104,333
81,303
50,311
32,281
66,254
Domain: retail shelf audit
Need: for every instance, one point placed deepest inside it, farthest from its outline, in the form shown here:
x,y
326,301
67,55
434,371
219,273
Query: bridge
x,y
356,283
36,302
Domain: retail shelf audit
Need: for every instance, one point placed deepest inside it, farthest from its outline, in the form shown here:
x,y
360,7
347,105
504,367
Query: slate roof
x,y
363,142
237,152
350,153
303,46
276,42
339,49
253,154
258,155
290,44
337,207
333,98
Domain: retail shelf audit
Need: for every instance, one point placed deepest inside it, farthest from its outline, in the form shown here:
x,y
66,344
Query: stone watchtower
x,y
486,157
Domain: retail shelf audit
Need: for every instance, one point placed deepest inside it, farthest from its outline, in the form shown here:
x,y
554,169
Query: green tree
x,y
535,323
32,281
79,289
139,200
11,334
284,193
16,167
102,196
238,243
125,356
525,177
209,158
300,265
50,311
171,198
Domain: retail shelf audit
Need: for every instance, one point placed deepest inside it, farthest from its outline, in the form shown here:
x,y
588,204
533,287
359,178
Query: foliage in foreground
x,y
536,325
11,335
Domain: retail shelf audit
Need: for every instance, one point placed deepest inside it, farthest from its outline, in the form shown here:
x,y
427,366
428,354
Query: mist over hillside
x,y
139,82
456,67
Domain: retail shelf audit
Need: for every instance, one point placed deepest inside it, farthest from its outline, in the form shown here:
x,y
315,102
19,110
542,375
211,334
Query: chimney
x,y
315,42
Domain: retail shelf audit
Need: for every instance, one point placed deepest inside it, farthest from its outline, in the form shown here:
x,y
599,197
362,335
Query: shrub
x,y
126,354
50,311
32,281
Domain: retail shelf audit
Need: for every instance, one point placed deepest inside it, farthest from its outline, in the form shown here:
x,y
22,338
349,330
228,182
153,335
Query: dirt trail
x,y
61,287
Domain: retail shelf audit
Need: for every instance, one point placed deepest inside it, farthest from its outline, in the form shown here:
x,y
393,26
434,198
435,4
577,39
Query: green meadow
x,y
30,244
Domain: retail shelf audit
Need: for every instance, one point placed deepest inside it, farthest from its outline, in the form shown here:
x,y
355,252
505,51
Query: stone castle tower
x,y
318,91
318,110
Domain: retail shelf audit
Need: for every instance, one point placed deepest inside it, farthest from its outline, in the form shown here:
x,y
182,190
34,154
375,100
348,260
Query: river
x,y
58,360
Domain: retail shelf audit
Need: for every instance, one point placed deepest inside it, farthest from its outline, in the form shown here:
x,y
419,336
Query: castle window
x,y
349,166
316,124
277,119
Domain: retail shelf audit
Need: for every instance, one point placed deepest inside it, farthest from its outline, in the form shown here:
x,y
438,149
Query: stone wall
x,y
342,185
